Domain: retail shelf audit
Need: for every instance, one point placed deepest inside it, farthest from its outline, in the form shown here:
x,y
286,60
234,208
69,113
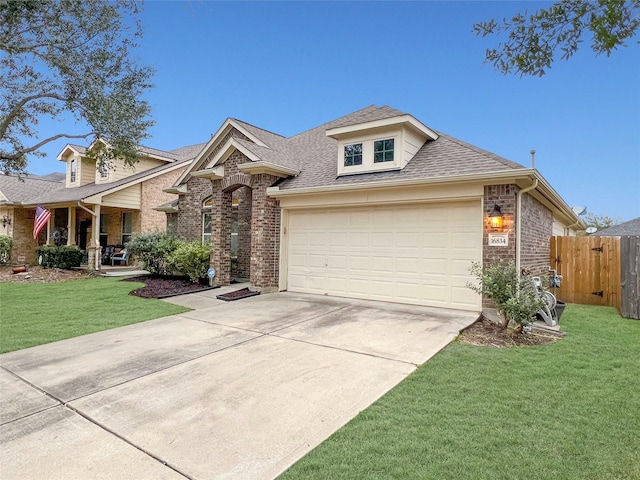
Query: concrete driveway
x,y
228,390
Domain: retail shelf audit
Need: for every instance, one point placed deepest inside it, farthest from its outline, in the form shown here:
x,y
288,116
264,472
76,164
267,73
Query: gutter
x,y
519,221
469,177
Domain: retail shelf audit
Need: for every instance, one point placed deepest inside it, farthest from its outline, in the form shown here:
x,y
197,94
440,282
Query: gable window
x,y
104,170
74,169
383,151
353,154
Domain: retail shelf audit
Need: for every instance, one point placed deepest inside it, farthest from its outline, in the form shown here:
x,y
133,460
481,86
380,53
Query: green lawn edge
x,y
35,314
568,410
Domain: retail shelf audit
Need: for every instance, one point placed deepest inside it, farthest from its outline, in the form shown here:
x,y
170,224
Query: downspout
x,y
519,221
86,209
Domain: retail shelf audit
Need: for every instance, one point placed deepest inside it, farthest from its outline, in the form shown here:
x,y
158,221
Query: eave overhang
x,y
256,168
176,190
214,173
522,177
407,121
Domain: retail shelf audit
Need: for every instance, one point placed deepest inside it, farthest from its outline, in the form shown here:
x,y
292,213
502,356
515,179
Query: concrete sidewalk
x,y
228,390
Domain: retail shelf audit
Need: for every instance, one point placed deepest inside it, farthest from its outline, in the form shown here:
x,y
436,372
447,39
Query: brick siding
x,y
537,228
505,197
152,197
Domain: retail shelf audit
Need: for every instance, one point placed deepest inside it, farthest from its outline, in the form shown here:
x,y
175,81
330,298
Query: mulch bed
x,y
489,334
38,274
163,287
237,295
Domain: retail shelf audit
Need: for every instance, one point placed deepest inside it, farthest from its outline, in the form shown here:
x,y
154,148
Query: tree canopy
x,y
532,40
70,58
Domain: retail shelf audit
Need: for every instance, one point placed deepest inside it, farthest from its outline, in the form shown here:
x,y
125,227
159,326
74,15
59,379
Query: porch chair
x,y
122,256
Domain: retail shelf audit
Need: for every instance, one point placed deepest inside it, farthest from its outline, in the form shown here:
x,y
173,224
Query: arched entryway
x,y
245,230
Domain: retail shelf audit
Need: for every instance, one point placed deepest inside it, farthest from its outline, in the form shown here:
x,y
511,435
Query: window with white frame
x,y
383,151
127,221
371,153
206,228
73,170
353,154
206,220
103,167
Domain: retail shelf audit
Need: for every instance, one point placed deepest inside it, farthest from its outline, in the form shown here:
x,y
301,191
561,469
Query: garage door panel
x,y
381,265
417,254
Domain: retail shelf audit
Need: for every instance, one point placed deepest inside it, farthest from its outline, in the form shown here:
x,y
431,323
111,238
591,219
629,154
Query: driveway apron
x,y
228,390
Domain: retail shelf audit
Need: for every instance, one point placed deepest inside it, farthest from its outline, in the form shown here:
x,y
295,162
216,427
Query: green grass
x,y
33,314
569,410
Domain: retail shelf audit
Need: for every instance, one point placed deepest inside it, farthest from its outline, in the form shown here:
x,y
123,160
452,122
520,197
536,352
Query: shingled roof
x,y
630,228
34,195
315,155
15,189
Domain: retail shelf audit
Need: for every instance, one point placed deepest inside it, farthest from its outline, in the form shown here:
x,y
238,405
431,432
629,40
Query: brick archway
x,y
261,235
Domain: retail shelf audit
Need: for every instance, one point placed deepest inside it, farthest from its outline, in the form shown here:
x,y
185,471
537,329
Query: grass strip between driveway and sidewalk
x,y
34,314
567,410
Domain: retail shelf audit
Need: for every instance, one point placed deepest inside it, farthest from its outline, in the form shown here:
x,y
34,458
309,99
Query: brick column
x,y
265,235
221,234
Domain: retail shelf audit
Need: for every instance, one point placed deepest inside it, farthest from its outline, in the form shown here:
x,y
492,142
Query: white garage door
x,y
418,254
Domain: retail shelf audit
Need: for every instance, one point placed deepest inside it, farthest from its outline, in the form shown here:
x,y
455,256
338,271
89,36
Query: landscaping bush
x,y
153,249
64,257
515,295
192,259
6,243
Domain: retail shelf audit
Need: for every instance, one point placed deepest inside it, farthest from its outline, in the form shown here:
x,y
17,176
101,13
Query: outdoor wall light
x,y
495,217
5,221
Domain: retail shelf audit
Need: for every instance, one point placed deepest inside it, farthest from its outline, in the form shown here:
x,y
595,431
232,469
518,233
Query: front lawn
x,y
568,410
33,314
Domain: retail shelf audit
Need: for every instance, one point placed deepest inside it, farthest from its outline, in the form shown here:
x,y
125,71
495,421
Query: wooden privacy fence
x,y
599,271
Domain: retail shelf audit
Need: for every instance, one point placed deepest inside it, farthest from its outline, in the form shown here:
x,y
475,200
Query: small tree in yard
x,y
514,295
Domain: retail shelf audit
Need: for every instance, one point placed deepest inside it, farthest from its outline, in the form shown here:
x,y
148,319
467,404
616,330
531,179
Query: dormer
x,y
80,170
379,145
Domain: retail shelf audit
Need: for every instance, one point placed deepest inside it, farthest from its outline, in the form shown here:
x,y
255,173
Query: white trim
x,y
407,120
68,147
225,152
269,168
215,173
176,190
228,124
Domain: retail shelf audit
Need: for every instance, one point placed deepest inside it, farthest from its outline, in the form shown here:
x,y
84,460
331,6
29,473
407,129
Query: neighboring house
x,y
94,207
630,228
373,205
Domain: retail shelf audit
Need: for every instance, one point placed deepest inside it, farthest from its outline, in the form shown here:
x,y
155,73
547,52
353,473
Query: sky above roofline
x,y
291,66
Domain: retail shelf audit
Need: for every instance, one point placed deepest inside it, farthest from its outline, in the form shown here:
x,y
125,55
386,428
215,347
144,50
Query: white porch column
x,y
94,243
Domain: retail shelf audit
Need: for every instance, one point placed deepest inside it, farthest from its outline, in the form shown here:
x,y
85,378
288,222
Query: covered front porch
x,y
98,230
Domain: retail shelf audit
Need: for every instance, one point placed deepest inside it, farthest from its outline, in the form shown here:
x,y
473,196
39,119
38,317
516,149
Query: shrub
x,y
59,257
153,249
192,259
6,243
515,295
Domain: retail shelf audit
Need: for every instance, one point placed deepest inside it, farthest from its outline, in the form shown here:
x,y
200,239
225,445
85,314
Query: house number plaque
x,y
498,239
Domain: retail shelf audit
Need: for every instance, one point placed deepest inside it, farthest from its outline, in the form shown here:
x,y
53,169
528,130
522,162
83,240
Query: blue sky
x,y
291,66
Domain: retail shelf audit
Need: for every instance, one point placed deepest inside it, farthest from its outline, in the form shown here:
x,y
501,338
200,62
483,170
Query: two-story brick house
x,y
93,206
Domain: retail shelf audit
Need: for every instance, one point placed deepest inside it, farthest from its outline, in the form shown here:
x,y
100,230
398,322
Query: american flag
x,y
42,217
